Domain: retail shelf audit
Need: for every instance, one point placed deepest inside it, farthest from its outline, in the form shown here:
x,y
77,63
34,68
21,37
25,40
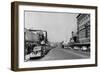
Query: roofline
x,y
35,30
78,15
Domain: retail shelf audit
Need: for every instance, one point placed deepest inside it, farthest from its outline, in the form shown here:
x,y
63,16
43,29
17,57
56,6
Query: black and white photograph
x,y
52,36
56,36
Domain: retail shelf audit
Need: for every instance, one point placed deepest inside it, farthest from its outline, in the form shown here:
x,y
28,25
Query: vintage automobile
x,y
36,52
76,48
35,44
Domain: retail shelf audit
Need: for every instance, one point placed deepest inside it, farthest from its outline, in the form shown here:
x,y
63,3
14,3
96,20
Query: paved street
x,y
60,54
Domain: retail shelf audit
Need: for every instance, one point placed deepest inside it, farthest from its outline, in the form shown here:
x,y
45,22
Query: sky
x,y
58,25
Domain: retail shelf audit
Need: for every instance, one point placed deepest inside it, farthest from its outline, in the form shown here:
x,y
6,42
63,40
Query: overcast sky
x,y
58,25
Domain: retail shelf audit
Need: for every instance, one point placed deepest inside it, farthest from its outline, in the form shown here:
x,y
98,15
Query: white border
x,y
33,64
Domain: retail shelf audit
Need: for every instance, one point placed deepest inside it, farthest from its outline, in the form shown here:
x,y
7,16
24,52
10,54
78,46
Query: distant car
x,y
84,48
64,44
76,47
52,45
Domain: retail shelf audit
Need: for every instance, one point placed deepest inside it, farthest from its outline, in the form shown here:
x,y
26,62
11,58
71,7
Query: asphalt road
x,y
59,53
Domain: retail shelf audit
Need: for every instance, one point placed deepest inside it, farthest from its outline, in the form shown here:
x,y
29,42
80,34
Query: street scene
x,y
56,36
60,54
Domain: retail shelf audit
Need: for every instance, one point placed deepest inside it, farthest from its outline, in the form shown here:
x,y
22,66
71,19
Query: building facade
x,y
74,38
83,28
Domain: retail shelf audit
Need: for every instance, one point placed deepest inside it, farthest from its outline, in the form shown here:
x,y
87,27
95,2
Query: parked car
x,y
35,44
76,47
84,48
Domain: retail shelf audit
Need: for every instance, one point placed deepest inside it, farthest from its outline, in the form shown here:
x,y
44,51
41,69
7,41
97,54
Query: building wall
x,y
83,28
31,36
